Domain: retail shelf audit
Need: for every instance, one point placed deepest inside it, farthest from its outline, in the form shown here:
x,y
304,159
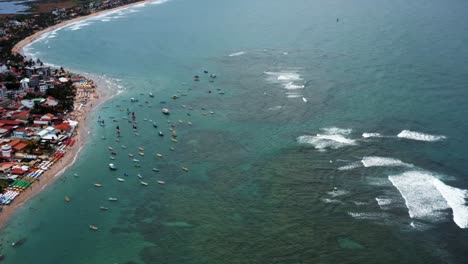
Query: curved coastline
x,y
101,95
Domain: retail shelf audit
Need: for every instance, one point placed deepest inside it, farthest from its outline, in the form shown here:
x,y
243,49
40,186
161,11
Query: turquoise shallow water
x,y
258,192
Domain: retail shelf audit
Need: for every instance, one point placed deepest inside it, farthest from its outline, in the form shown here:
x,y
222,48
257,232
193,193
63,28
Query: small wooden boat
x,y
67,198
93,227
174,140
98,185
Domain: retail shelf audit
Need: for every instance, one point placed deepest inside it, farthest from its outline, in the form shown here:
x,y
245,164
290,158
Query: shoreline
x,y
101,94
18,48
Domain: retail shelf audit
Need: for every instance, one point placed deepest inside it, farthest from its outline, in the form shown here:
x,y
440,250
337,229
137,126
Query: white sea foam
x,y
331,201
235,54
78,25
422,198
351,166
333,137
337,130
456,199
369,135
292,86
278,107
383,202
368,216
326,141
374,161
290,80
420,136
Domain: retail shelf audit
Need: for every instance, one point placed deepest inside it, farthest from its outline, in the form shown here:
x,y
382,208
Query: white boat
x,y
136,160
120,179
151,95
112,158
144,183
103,208
139,176
161,182
155,169
112,199
112,166
165,111
304,99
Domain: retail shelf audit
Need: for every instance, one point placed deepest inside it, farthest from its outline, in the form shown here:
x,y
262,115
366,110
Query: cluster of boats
x,y
132,120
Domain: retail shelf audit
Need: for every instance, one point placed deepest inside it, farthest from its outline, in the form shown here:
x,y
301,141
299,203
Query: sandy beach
x,y
101,94
20,45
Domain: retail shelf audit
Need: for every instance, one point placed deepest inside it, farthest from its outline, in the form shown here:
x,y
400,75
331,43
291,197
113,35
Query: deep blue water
x,y
280,172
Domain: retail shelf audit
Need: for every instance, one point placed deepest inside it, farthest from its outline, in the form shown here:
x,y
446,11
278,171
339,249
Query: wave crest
x,y
408,134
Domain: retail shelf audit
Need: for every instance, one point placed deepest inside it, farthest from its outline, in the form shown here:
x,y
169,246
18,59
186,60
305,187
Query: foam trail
x,y
420,136
456,200
374,161
369,135
422,198
235,54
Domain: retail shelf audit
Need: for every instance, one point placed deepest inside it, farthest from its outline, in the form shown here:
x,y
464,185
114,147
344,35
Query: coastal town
x,y
40,106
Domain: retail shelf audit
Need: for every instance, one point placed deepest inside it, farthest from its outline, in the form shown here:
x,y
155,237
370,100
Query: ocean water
x,y
13,7
328,142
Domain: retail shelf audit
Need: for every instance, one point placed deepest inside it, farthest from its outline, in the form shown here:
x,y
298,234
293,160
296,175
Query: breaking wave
x,y
374,161
456,199
332,138
420,136
427,197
